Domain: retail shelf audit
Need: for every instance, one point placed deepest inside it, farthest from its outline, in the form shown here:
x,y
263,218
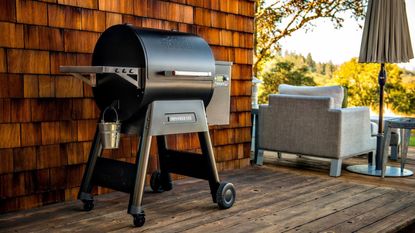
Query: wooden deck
x,y
287,195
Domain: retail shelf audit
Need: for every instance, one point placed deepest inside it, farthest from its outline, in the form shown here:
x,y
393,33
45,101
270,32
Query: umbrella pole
x,y
379,137
385,39
372,169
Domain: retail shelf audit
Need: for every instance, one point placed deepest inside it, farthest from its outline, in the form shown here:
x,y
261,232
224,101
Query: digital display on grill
x,y
221,80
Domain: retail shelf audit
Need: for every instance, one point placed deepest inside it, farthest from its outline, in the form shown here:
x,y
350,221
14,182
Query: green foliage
x,y
275,20
412,141
291,69
360,79
311,63
362,83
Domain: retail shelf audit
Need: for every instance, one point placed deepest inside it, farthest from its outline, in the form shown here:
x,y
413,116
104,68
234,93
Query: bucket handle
x,y
105,110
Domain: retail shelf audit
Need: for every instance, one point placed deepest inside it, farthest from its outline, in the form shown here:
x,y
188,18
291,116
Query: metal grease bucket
x,y
110,131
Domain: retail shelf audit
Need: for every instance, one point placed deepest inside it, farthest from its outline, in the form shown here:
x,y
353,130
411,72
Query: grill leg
x,y
86,185
162,151
207,150
136,196
165,178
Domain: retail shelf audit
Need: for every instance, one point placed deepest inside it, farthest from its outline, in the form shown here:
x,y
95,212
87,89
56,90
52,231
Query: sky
x,y
325,43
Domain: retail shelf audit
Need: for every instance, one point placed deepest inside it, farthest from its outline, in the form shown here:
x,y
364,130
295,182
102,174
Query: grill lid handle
x,y
187,73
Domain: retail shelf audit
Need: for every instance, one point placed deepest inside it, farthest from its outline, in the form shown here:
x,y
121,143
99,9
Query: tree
x,y
280,18
284,71
399,96
328,69
361,81
311,63
320,68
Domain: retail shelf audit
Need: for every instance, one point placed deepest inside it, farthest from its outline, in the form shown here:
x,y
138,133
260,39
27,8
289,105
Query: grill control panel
x,y
218,109
221,80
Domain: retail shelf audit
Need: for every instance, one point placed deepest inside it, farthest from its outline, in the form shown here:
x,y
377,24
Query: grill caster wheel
x,y
88,205
160,182
166,183
225,195
155,183
139,220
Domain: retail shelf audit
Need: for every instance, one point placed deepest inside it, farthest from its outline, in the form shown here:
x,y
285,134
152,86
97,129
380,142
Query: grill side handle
x,y
130,74
187,73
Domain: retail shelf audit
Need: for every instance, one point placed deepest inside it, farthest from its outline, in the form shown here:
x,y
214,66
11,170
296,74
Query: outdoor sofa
x,y
311,121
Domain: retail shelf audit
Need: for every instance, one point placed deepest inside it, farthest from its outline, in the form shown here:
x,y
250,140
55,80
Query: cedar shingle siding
x,y
48,119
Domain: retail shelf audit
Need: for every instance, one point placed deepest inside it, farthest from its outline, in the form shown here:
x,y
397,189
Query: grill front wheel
x,y
160,182
88,205
225,195
139,220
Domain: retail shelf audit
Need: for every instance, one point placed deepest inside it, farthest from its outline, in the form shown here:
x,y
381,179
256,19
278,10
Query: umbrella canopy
x,y
386,36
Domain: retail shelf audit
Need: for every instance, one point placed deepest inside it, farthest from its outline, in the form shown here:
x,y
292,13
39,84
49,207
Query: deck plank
x,y
342,216
287,195
67,213
317,167
273,204
375,215
170,207
261,198
279,218
321,208
393,222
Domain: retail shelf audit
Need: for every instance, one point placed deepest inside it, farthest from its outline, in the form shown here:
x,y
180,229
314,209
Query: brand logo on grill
x,y
175,43
181,118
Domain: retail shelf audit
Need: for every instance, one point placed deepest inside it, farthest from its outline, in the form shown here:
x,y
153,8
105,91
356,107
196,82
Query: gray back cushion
x,y
335,92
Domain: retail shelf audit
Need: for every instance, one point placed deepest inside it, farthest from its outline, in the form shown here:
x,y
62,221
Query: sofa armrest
x,y
355,130
374,128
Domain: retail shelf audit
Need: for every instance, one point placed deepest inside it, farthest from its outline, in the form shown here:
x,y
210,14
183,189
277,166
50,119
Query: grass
x,y
412,141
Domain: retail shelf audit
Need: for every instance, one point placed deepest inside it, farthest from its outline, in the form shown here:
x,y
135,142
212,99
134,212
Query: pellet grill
x,y
154,83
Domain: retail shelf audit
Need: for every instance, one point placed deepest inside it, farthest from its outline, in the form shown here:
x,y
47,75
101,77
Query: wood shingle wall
x,y
47,119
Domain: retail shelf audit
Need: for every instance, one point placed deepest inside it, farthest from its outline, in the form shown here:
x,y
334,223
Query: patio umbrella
x,y
385,39
386,36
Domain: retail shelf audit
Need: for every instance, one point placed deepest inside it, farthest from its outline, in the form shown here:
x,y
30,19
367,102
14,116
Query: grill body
x,y
170,79
159,54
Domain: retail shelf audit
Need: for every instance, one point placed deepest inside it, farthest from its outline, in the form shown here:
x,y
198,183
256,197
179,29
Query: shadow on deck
x,y
296,197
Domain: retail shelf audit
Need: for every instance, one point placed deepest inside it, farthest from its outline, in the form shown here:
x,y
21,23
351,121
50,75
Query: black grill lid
x,y
174,65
